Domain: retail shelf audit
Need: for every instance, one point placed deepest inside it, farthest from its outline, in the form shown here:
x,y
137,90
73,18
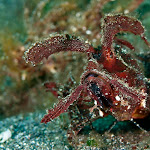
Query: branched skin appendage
x,y
56,44
113,83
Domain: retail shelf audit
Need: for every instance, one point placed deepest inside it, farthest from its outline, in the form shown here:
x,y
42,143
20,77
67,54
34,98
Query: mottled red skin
x,y
113,80
52,88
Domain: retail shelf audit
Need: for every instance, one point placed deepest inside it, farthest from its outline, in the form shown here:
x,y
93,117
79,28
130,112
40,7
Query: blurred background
x,y
23,22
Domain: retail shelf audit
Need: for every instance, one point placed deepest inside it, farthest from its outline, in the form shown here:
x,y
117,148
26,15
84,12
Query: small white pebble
x,y
126,11
101,113
95,102
143,103
88,32
5,135
74,29
117,98
128,107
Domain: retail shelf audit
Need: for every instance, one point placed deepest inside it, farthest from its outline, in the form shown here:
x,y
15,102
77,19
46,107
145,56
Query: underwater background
x,y
23,98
